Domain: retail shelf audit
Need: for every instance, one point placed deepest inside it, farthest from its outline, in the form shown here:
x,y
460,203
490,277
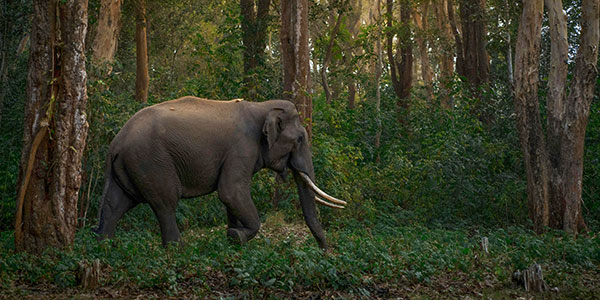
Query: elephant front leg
x,y
232,221
242,216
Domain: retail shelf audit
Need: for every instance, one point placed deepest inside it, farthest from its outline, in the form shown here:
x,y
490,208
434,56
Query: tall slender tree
x,y
401,61
421,16
55,126
141,48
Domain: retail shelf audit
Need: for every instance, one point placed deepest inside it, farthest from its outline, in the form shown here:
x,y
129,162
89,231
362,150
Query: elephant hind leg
x,y
168,224
115,204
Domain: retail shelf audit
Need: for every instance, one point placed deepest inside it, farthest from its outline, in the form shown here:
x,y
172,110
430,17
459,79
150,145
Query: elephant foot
x,y
236,236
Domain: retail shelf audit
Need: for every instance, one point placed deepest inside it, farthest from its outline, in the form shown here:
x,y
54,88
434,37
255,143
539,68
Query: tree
x,y
554,164
295,57
401,62
474,63
446,53
352,22
4,25
420,16
328,54
141,48
107,32
378,70
254,33
55,127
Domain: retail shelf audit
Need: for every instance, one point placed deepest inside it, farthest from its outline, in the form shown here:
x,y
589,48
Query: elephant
x,y
189,147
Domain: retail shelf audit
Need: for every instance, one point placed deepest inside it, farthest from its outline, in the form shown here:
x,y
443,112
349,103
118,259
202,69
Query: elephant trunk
x,y
307,201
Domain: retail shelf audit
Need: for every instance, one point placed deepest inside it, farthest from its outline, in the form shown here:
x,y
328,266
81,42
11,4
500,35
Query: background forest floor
x,y
394,257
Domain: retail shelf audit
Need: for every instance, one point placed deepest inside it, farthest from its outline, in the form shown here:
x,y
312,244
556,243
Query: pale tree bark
x,y
327,58
509,56
295,58
400,68
556,101
254,38
568,119
141,49
107,33
55,127
528,114
555,169
421,21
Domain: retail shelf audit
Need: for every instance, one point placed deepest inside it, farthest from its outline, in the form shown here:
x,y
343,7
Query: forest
x,y
348,149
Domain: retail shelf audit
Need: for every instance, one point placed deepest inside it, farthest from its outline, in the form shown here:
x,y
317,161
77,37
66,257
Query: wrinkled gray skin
x,y
190,147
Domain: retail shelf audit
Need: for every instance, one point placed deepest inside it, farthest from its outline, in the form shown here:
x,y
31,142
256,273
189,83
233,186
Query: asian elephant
x,y
190,147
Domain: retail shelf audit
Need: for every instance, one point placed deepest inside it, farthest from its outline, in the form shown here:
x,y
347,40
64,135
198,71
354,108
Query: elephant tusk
x,y
319,191
323,202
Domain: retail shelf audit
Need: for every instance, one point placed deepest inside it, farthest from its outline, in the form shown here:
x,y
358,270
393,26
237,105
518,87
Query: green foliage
x,y
391,249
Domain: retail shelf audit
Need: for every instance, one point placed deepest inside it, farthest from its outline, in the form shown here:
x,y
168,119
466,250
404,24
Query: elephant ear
x,y
273,126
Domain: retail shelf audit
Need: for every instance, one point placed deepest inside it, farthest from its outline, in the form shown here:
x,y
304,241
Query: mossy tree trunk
x,y
55,127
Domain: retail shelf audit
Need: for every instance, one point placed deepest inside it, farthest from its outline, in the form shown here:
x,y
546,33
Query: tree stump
x,y
531,279
88,274
484,245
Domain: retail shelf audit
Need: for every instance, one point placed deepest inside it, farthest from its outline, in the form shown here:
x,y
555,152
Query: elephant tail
x,y
108,181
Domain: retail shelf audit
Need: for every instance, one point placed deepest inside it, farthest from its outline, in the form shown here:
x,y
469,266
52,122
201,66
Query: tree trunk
x,y
107,32
296,58
351,94
141,49
55,127
254,38
446,55
352,25
509,56
401,71
3,53
443,24
556,102
378,70
528,114
568,119
327,58
460,56
476,62
287,48
420,17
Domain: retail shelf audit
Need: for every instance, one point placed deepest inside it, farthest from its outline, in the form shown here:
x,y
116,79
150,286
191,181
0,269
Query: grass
x,y
392,257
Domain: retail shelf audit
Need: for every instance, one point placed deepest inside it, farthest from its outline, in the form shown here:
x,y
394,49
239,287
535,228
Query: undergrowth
x,y
366,259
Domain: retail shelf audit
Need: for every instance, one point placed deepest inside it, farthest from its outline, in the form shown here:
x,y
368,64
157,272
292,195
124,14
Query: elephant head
x,y
285,145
